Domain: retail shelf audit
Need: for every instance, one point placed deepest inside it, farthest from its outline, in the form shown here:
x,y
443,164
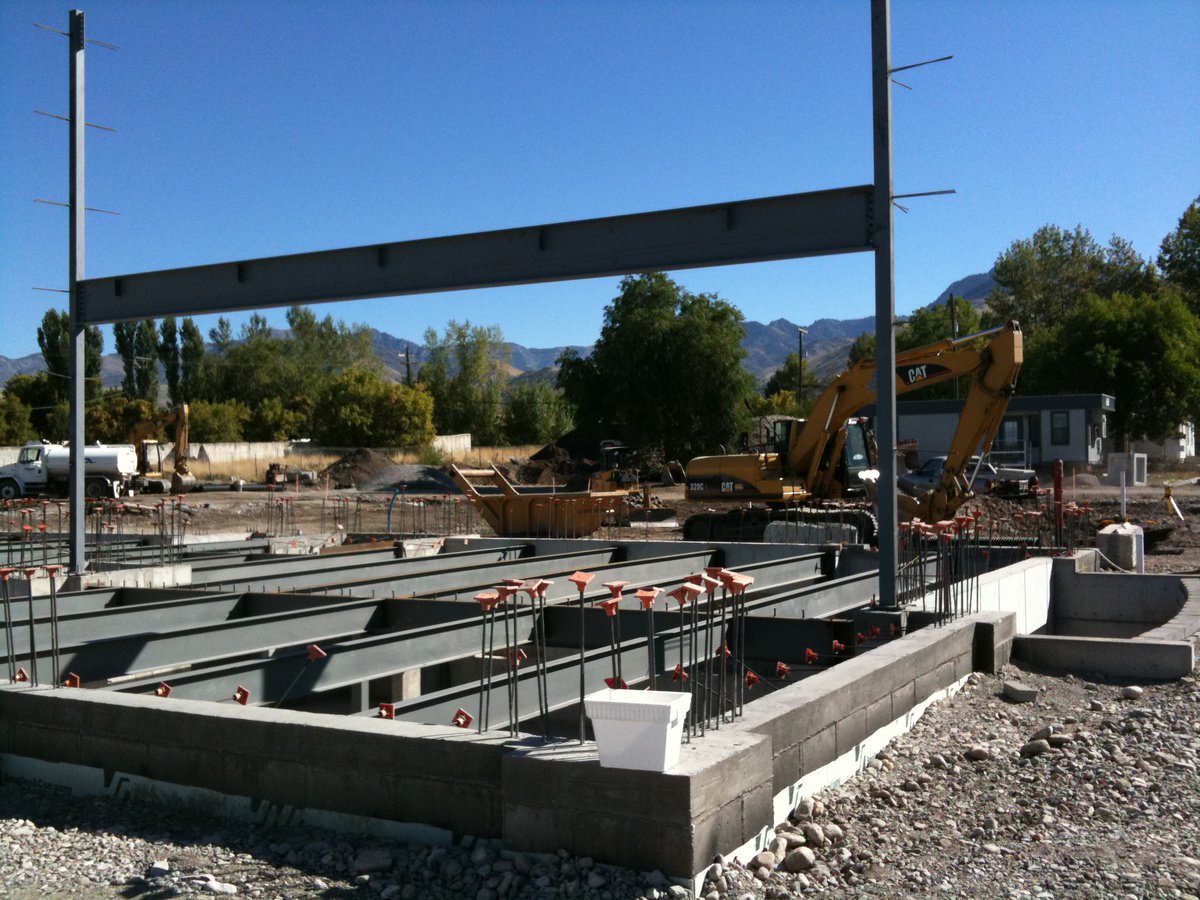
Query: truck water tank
x,y
115,461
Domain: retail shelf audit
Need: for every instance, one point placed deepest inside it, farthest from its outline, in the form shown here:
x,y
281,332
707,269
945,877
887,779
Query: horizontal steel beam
x,y
189,647
272,571
742,231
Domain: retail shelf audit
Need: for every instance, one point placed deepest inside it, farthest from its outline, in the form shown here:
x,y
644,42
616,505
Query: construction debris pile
x,y
355,468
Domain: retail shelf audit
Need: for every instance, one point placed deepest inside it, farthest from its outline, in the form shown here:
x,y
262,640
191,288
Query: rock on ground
x,y
1109,812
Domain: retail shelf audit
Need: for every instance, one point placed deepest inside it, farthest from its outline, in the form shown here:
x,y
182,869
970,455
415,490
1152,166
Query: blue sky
x,y
253,129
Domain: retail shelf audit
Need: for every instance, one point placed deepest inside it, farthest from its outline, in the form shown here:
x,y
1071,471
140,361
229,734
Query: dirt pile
x,y
355,468
552,465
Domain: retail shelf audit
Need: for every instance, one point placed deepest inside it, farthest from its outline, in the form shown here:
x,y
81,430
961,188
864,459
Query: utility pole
x,y
78,367
885,304
953,332
801,332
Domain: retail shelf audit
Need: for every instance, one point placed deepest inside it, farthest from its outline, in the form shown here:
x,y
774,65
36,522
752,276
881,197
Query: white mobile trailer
x,y
44,470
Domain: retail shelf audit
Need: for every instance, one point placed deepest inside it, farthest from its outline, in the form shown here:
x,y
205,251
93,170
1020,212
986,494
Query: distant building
x,y
1176,448
1035,431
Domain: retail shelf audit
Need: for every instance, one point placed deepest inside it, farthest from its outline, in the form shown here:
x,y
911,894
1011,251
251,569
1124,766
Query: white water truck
x,y
43,470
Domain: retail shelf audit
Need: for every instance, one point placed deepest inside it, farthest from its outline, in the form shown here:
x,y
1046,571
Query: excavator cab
x,y
856,456
781,440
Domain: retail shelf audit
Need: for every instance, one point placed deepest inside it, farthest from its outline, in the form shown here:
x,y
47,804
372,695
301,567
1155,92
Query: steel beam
x,y
276,570
292,675
741,231
399,577
433,632
197,645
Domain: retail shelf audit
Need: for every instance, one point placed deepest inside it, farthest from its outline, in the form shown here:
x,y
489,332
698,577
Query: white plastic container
x,y
638,729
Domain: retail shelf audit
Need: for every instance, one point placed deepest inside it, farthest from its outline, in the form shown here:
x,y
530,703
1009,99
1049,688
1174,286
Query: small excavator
x,y
151,478
829,456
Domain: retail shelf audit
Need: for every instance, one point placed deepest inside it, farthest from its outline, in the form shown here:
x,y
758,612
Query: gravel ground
x,y
1090,790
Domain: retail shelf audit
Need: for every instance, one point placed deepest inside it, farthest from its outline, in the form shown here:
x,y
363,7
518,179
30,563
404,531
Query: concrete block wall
x,y
722,796
441,776
824,716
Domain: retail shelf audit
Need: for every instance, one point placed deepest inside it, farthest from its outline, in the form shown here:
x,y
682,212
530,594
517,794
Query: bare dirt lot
x,y
1173,543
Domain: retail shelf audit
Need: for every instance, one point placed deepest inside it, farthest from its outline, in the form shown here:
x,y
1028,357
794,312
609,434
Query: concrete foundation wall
x,y
1022,589
442,776
1114,605
1111,657
723,795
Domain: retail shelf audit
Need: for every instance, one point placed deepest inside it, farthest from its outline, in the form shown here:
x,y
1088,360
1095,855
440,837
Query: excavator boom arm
x,y
822,438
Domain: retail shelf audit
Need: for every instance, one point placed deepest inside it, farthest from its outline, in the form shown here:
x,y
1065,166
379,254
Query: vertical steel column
x,y
77,368
885,332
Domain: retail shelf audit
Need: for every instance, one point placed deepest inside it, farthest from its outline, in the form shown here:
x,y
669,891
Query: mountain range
x,y
826,345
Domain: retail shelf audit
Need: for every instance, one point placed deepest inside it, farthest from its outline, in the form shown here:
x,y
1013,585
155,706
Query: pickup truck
x,y
1001,482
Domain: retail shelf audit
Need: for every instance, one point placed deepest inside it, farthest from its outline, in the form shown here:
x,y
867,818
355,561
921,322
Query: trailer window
x,y
1060,427
29,454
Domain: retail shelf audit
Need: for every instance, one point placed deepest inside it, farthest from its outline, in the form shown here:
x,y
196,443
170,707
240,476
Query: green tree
x,y
666,370
1040,280
137,345
781,403
466,373
932,324
784,381
280,377
536,414
110,418
360,409
168,355
146,370
191,362
216,420
1179,256
275,420
404,417
1144,350
125,338
38,392
862,348
16,427
221,335
54,340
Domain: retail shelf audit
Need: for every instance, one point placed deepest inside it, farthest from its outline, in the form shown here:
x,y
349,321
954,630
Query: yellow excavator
x,y
821,458
151,456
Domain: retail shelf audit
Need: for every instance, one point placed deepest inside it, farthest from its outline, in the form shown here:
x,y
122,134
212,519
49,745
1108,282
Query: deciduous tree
x,y
784,381
191,359
1043,278
1144,350
168,355
360,409
16,427
1179,256
466,375
666,370
536,414
217,421
54,340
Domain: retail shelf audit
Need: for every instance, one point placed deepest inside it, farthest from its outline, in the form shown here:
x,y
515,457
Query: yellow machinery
x,y
150,456
820,458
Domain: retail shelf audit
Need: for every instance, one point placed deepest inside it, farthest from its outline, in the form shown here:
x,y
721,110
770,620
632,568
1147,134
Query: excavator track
x,y
852,523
